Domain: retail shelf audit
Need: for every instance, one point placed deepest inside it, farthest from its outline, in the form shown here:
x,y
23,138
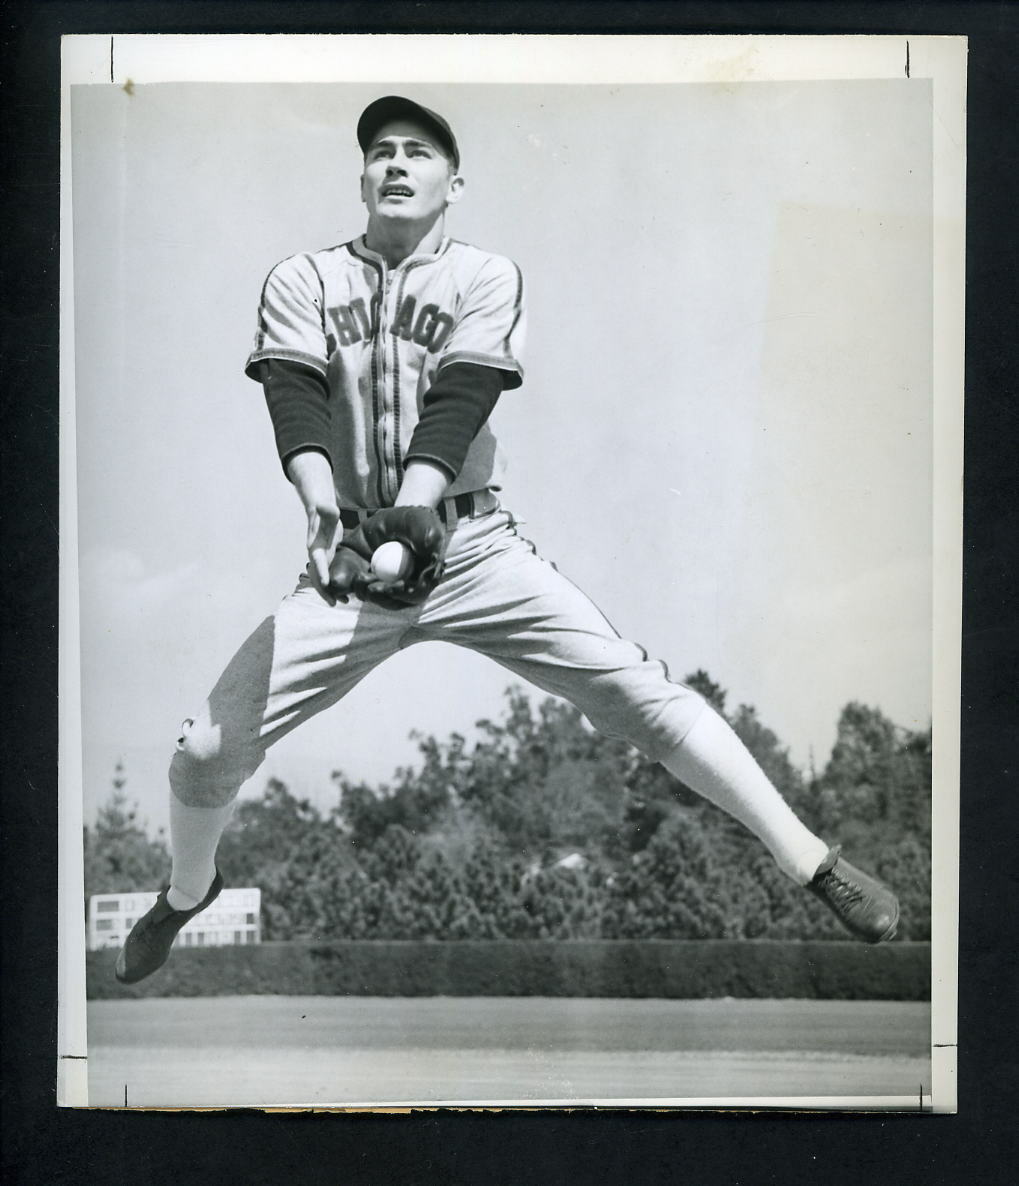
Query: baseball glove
x,y
419,529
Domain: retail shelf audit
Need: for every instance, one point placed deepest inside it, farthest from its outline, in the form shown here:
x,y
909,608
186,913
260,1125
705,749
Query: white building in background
x,y
232,918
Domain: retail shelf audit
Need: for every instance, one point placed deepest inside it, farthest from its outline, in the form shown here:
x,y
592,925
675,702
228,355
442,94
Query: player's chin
x,y
392,217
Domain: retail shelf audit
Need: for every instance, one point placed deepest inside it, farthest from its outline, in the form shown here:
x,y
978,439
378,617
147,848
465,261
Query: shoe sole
x,y
122,977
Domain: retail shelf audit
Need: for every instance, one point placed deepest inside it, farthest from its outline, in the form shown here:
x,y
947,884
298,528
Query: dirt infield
x,y
321,1051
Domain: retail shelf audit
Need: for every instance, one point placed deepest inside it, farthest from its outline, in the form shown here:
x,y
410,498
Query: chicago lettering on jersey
x,y
354,323
428,327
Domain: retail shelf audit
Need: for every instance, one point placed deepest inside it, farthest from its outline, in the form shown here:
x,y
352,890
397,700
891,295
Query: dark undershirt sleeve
x,y
455,407
298,401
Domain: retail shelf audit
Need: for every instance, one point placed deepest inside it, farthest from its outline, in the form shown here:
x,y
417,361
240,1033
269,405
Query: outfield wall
x,y
684,970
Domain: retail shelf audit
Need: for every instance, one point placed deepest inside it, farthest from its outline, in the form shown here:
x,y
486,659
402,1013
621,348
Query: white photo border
x,y
618,59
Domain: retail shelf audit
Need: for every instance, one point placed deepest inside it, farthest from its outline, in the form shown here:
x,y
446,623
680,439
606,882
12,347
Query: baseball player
x,y
382,360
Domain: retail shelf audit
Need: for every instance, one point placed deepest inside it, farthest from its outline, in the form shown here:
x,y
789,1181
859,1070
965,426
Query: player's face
x,y
406,175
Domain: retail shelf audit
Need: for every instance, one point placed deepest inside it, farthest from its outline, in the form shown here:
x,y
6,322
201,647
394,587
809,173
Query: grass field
x,y
321,1051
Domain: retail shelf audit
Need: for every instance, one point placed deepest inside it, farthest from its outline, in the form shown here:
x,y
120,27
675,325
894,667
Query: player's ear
x,y
456,185
363,198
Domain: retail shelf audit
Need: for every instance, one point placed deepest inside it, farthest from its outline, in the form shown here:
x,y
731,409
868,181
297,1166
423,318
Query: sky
x,y
724,433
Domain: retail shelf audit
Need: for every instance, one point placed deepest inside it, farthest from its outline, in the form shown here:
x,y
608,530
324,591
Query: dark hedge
x,y
685,969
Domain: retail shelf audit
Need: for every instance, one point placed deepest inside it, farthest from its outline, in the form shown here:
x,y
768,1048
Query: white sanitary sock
x,y
194,837
714,762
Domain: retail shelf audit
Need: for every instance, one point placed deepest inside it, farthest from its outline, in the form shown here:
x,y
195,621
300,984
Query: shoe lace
x,y
841,890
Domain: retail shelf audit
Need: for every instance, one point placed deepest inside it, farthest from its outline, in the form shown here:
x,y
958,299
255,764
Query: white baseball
x,y
391,561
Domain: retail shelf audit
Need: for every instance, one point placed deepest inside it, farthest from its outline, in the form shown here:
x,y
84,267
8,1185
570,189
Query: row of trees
x,y
544,829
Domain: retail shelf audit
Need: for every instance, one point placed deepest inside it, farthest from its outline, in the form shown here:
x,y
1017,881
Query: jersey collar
x,y
359,248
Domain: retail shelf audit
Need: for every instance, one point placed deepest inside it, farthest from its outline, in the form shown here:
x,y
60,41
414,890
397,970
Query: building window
x,y
104,924
107,907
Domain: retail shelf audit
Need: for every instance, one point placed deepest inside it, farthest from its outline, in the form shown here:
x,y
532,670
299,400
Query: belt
x,y
470,505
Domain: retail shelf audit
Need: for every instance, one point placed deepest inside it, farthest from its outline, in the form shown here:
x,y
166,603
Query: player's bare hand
x,y
323,536
312,475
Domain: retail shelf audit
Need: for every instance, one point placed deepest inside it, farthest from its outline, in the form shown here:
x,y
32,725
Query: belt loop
x,y
469,505
352,517
464,504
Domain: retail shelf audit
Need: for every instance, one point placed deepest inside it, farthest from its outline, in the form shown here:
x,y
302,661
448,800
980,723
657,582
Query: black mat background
x,y
42,1144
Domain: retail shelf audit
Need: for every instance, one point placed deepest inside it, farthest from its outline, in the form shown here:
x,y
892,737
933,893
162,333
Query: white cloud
x,y
115,585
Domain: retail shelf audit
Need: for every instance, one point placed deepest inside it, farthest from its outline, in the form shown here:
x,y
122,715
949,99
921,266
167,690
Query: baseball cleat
x,y
864,906
152,936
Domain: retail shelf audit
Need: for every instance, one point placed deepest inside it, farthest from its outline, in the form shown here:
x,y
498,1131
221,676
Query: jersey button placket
x,y
380,356
386,449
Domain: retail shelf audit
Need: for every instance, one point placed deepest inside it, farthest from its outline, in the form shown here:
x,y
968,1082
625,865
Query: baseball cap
x,y
385,110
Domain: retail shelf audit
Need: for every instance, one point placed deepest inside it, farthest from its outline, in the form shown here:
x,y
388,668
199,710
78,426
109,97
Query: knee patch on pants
x,y
207,770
